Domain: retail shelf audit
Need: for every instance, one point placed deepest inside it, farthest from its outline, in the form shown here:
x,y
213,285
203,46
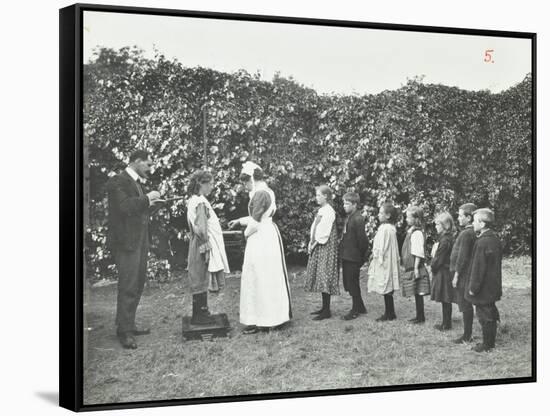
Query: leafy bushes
x,y
430,144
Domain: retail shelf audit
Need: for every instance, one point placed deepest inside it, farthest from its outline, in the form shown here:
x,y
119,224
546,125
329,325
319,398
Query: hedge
x,y
427,144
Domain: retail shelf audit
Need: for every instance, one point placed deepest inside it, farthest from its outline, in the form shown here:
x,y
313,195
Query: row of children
x,y
465,270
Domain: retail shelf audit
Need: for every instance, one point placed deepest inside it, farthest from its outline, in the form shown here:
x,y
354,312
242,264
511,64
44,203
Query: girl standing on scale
x,y
207,260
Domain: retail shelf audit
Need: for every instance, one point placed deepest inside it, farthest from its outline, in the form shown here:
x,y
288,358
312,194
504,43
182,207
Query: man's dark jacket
x,y
128,213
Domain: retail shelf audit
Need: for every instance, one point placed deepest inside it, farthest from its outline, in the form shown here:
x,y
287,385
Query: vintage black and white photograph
x,y
282,207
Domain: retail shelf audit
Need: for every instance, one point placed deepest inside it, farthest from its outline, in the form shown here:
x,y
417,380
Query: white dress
x,y
265,291
383,271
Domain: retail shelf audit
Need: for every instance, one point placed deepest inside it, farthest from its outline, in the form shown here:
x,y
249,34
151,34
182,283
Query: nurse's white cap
x,y
249,167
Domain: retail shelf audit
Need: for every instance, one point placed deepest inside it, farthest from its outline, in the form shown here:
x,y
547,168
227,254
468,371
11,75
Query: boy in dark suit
x,y
353,248
128,239
461,257
485,277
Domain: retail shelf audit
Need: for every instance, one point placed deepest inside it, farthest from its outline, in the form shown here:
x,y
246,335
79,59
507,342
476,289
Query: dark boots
x,y
468,318
359,305
489,330
389,310
201,315
447,311
357,308
419,303
324,313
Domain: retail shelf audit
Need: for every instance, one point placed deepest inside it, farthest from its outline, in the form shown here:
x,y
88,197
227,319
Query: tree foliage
x,y
433,145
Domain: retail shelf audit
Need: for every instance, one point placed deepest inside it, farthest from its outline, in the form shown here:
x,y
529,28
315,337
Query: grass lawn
x,y
307,355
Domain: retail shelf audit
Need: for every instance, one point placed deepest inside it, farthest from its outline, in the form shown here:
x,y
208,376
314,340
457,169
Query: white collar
x,y
133,174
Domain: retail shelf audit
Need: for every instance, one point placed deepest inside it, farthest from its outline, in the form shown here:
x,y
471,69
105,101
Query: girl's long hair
x,y
327,192
199,177
392,211
418,215
447,222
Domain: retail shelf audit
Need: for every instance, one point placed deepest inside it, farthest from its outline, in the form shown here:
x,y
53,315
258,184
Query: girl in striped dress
x,y
322,267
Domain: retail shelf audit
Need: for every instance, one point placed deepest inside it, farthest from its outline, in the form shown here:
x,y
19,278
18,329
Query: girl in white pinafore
x,y
218,265
265,291
207,260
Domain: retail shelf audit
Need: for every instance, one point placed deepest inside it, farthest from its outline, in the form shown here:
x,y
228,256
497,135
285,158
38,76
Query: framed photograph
x,y
256,207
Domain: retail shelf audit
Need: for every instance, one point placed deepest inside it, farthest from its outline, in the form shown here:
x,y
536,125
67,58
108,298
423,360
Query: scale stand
x,y
219,329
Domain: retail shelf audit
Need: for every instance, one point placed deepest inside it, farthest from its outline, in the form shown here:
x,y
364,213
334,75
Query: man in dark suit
x,y
485,277
128,239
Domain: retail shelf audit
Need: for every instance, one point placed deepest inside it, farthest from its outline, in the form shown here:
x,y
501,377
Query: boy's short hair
x,y
486,215
352,197
468,209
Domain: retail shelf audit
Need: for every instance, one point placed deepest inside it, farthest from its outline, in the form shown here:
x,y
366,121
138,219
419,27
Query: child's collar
x,y
483,231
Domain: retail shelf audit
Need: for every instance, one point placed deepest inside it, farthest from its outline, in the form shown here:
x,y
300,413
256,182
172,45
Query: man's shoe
x,y
441,327
127,341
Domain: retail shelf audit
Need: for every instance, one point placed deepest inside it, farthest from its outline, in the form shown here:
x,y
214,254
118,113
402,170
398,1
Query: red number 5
x,y
488,56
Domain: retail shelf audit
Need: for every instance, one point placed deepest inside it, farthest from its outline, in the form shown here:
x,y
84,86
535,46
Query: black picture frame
x,y
71,204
